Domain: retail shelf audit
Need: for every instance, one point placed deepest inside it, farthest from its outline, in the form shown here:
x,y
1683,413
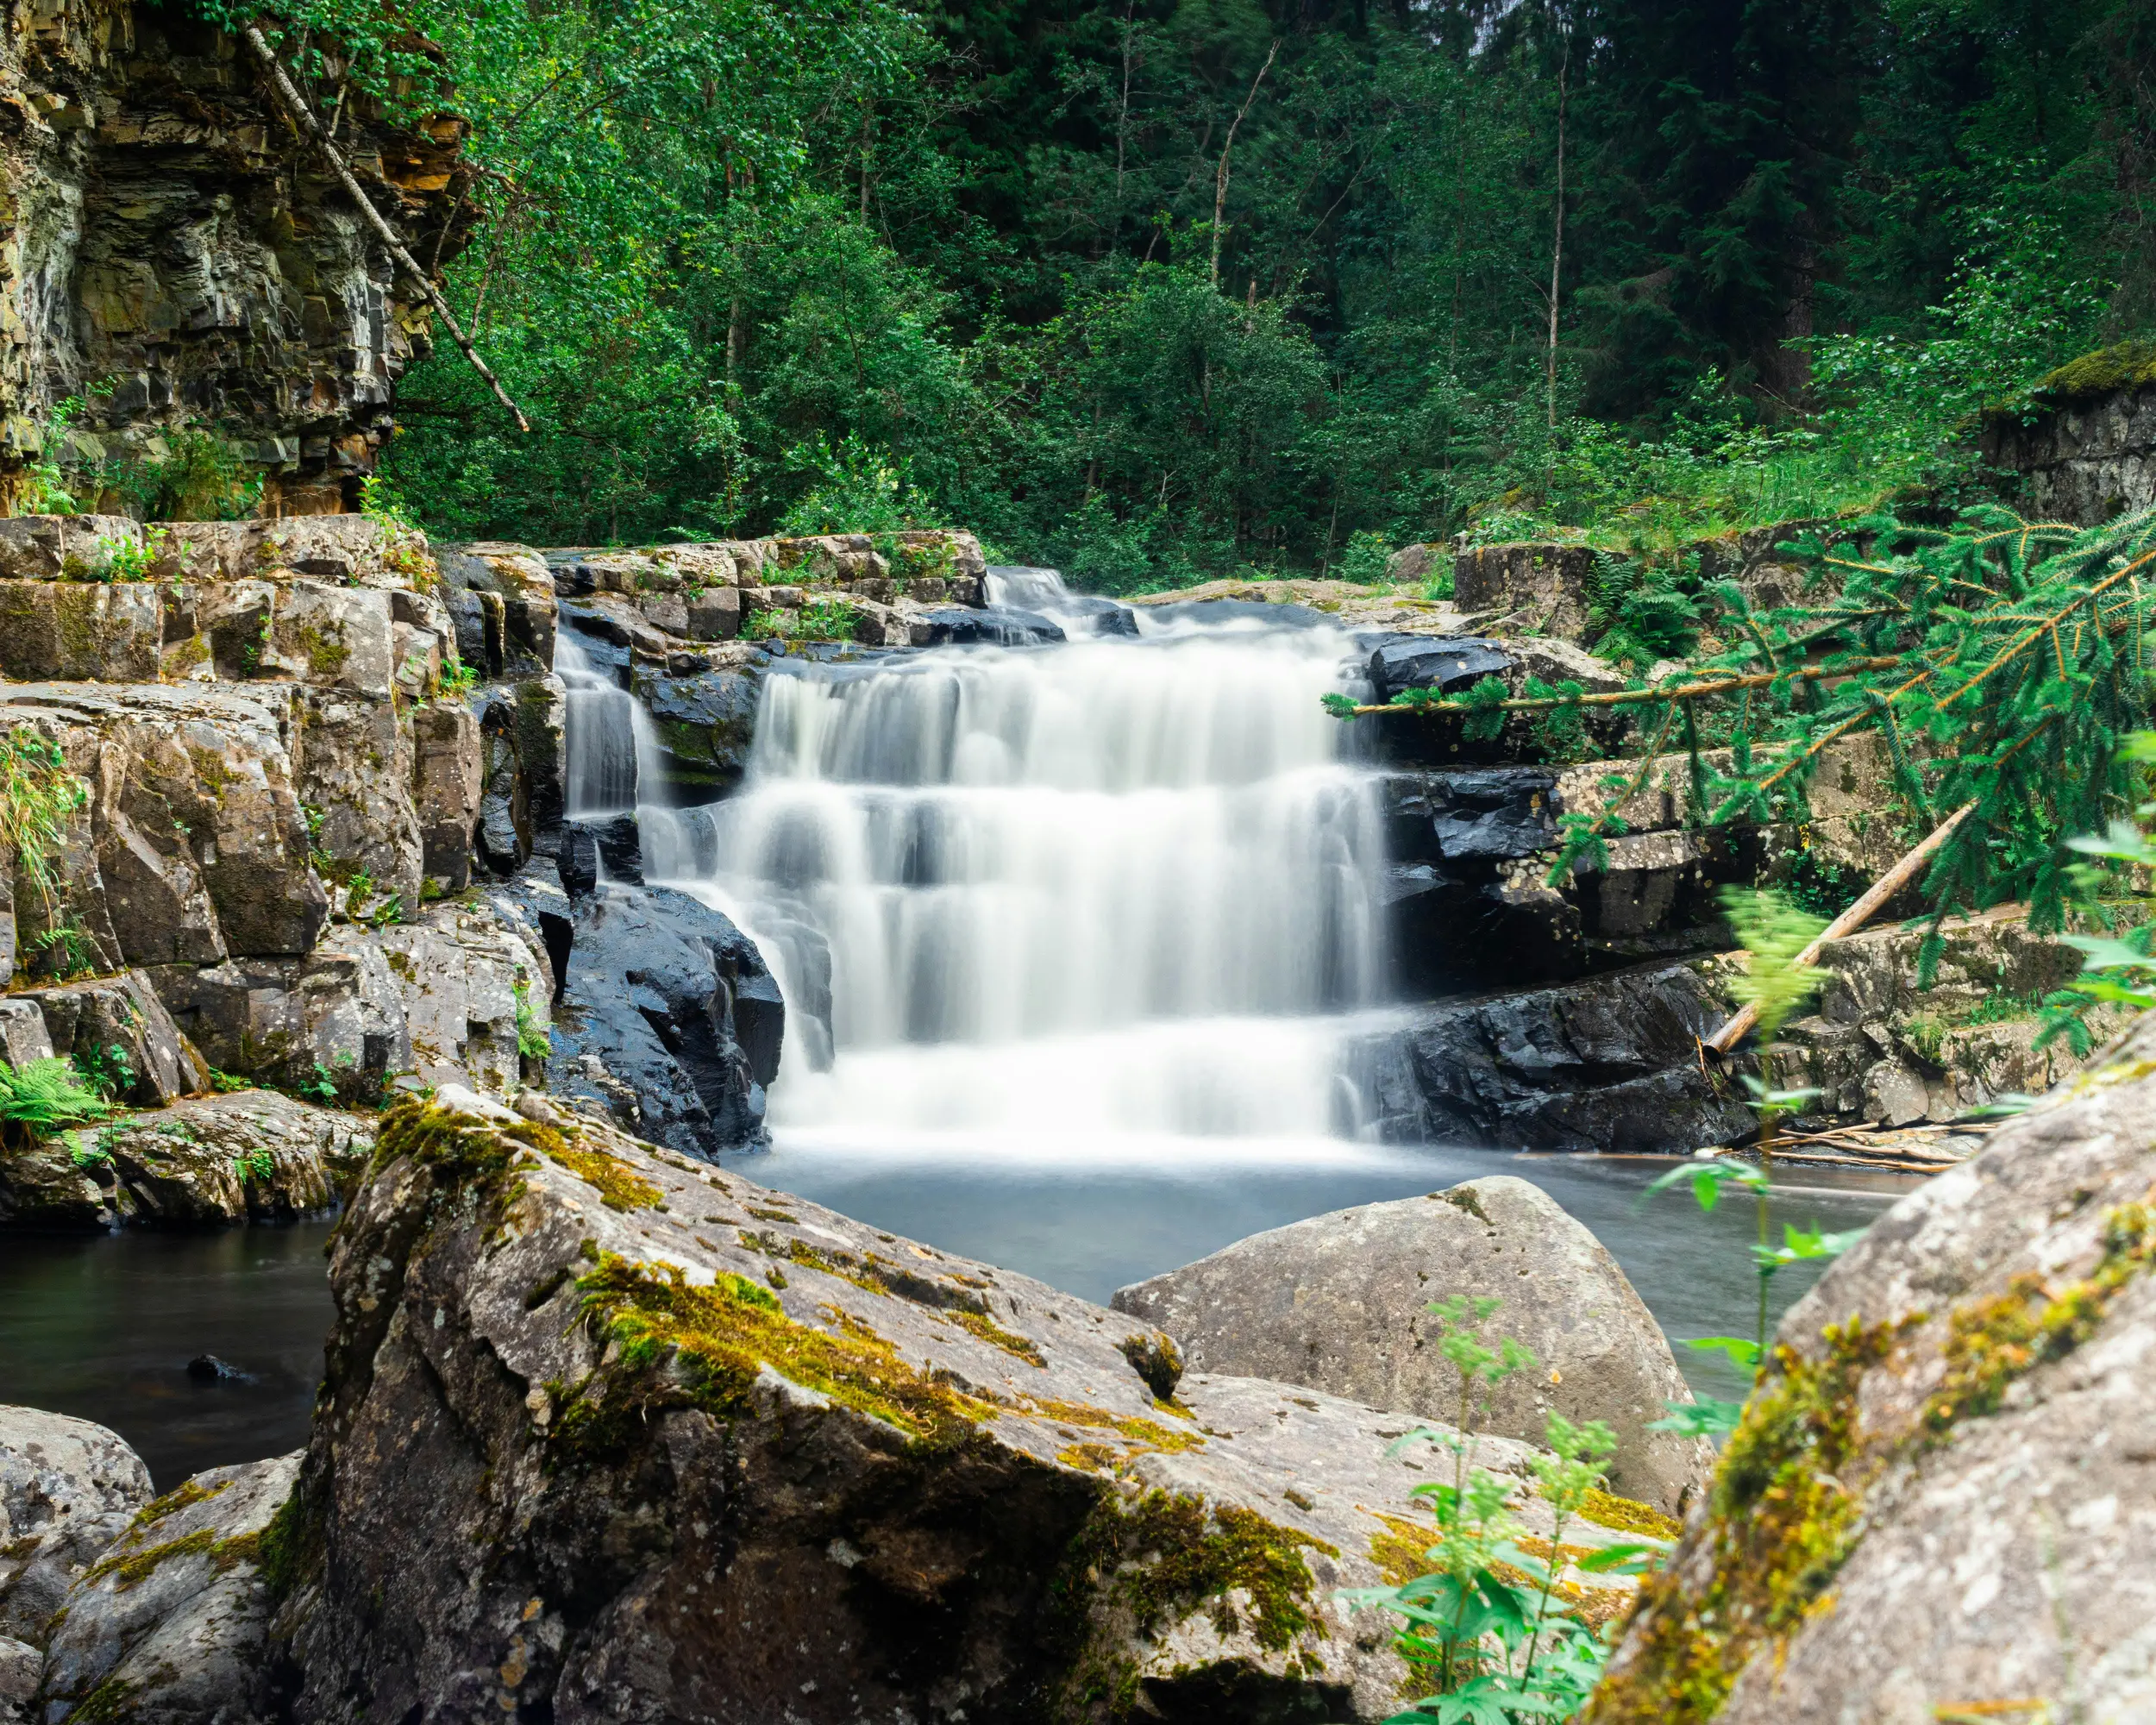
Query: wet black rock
x,y
707,724
1497,812
670,1020
1449,664
577,861
619,843
207,1367
994,625
1609,1063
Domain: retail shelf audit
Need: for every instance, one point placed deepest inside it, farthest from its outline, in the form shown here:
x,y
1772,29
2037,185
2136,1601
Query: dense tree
x,y
749,262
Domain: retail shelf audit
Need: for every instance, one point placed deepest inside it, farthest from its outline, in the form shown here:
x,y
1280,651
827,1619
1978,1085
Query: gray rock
x,y
1338,1303
356,771
67,1489
1476,813
23,1036
448,766
1609,1063
1969,1446
80,631
171,1625
21,1665
705,723
860,1478
246,1155
120,1027
1894,1095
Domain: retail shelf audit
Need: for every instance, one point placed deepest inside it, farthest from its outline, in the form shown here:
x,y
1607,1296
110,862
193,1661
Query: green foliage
x,y
109,1071
254,1166
853,490
1496,1650
47,1096
1774,933
1363,560
38,796
200,476
818,620
534,1038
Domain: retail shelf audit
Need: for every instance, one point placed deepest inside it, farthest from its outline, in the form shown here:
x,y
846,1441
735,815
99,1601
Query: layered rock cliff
x,y
166,231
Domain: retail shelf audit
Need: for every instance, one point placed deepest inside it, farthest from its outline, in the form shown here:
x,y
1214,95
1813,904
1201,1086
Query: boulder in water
x,y
1338,1303
994,626
670,1021
170,1625
1937,1504
67,1489
606,1434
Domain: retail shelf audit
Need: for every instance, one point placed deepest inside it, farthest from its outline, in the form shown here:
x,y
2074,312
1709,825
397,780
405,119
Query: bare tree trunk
x,y
306,116
868,152
1220,179
1122,128
1557,245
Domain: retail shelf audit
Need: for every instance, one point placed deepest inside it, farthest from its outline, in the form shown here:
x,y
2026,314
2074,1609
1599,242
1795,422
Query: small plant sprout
x,y
534,1038
1497,1651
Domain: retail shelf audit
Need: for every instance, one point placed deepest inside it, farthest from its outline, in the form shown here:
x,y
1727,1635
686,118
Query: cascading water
x,y
608,737
1122,885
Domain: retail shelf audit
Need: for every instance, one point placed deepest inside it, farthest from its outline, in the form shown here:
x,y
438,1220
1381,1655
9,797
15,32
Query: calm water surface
x,y
103,1326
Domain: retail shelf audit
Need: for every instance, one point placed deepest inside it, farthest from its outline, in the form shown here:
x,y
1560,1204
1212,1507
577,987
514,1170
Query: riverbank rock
x,y
67,1489
1936,1505
208,1161
1338,1302
1609,1063
168,1626
731,1456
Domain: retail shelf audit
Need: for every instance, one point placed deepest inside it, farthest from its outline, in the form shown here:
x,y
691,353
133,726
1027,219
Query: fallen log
x,y
1851,919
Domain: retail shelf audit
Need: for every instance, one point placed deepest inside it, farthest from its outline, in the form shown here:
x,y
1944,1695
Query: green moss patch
x,y
2127,366
173,1502
1168,1554
1628,1515
986,1327
618,1186
134,1567
679,1344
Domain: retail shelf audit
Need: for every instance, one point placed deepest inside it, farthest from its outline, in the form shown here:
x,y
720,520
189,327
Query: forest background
x,y
1163,290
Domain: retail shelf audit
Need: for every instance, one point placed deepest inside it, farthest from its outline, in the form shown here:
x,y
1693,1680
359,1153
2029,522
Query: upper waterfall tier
x,y
1060,848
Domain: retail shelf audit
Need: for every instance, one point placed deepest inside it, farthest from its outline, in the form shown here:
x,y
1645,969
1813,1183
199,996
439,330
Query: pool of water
x,y
103,1326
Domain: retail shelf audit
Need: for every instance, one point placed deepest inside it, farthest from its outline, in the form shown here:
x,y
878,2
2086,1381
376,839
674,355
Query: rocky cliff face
x,y
164,230
2090,453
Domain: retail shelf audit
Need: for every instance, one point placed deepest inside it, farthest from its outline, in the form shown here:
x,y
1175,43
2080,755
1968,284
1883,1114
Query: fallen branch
x,y
1851,919
1628,697
306,116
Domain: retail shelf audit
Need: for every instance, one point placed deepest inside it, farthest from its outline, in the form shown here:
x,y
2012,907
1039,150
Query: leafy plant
x,y
1364,558
108,1070
38,793
1774,982
818,620
534,1040
255,1165
46,1096
854,489
458,679
1495,1651
201,477
65,950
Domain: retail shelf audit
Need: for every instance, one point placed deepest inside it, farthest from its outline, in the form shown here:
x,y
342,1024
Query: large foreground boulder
x,y
1938,1504
608,1435
1338,1302
67,1489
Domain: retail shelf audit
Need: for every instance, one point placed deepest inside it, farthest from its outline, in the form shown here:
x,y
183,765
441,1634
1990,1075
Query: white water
x,y
612,749
1120,888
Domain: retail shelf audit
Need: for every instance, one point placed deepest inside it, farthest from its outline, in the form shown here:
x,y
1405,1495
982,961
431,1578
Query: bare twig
x,y
306,114
1220,178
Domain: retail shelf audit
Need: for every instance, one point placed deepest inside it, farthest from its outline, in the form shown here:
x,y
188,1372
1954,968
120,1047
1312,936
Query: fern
x,y
47,1096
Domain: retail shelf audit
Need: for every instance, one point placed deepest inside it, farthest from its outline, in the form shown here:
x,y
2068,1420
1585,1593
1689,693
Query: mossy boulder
x,y
1936,1506
168,1626
67,1489
608,1433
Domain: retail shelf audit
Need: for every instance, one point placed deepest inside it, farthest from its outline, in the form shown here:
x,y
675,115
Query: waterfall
x,y
1124,885
610,742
